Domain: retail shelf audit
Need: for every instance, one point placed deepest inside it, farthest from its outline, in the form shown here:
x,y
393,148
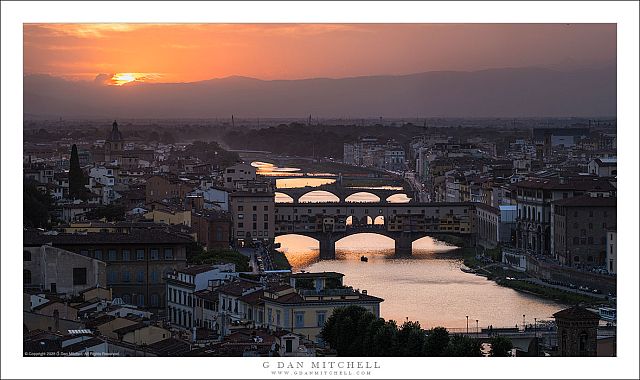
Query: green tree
x,y
76,176
112,213
411,339
345,330
500,346
385,340
36,206
460,345
436,342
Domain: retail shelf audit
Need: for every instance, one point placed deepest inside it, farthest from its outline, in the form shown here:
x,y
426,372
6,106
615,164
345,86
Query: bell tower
x,y
114,144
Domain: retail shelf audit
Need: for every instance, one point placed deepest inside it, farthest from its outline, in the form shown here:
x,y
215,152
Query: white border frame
x,y
625,14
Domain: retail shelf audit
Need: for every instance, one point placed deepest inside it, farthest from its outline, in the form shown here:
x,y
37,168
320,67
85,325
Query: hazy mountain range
x,y
508,92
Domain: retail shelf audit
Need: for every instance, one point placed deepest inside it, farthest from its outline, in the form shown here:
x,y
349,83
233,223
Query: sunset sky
x,y
120,53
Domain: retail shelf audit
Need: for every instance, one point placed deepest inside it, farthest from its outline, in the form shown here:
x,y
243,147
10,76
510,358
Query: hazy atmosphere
x,y
341,70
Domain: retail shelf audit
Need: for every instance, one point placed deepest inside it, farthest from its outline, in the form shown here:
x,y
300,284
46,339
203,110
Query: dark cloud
x,y
103,79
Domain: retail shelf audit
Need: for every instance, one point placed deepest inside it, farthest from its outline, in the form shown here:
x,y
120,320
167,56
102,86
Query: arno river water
x,y
428,287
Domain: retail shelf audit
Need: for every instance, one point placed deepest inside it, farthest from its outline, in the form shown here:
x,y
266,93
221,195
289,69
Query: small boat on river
x,y
364,258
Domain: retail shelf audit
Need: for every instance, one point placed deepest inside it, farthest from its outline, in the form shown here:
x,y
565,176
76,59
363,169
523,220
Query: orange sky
x,y
191,52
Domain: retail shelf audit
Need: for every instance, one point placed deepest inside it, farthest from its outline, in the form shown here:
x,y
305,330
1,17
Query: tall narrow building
x,y
114,145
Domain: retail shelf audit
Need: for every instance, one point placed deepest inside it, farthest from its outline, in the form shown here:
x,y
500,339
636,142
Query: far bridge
x,y
344,192
403,222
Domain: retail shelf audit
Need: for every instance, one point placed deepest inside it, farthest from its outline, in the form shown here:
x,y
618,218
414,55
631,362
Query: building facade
x,y
253,213
137,261
48,268
581,225
612,252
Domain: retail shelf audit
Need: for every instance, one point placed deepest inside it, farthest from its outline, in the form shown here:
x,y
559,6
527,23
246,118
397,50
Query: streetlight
x,y
523,323
467,324
477,330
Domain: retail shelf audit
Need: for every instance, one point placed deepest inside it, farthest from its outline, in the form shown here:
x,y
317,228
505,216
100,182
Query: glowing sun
x,y
122,78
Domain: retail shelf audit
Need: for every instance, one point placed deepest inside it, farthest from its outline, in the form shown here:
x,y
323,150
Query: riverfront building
x,y
137,260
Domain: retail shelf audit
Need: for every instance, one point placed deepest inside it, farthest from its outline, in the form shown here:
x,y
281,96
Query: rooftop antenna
x,y
309,120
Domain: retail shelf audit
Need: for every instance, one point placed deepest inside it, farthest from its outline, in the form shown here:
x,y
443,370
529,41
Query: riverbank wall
x,y
553,272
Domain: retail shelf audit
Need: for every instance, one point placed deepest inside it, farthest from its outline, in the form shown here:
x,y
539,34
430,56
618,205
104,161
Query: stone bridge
x,y
345,192
403,222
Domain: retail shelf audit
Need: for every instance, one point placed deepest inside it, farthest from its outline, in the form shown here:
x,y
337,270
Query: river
x,y
428,287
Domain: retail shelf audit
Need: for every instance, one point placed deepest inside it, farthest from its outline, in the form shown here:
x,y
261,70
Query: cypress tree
x,y
76,176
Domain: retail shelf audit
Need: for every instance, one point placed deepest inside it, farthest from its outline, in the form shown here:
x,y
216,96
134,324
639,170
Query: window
x,y
154,277
126,255
255,208
168,253
240,225
255,226
26,277
155,300
266,226
590,226
255,217
79,276
140,254
140,299
266,208
240,216
266,217
278,317
111,254
219,233
26,256
299,318
590,214
126,276
153,252
320,317
111,277
240,208
583,343
97,254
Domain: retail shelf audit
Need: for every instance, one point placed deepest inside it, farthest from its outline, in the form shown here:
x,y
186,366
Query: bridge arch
x,y
398,198
362,197
379,220
318,196
281,197
363,235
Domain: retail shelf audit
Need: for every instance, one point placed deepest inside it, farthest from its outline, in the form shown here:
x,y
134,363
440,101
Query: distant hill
x,y
508,92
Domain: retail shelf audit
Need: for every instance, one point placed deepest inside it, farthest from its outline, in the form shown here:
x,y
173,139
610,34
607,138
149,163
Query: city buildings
x,y
580,229
47,268
253,212
136,261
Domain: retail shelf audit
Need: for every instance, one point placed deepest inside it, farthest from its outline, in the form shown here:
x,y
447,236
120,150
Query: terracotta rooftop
x,y
576,313
135,236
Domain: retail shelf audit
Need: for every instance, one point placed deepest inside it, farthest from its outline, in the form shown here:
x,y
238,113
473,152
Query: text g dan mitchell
x,y
322,365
